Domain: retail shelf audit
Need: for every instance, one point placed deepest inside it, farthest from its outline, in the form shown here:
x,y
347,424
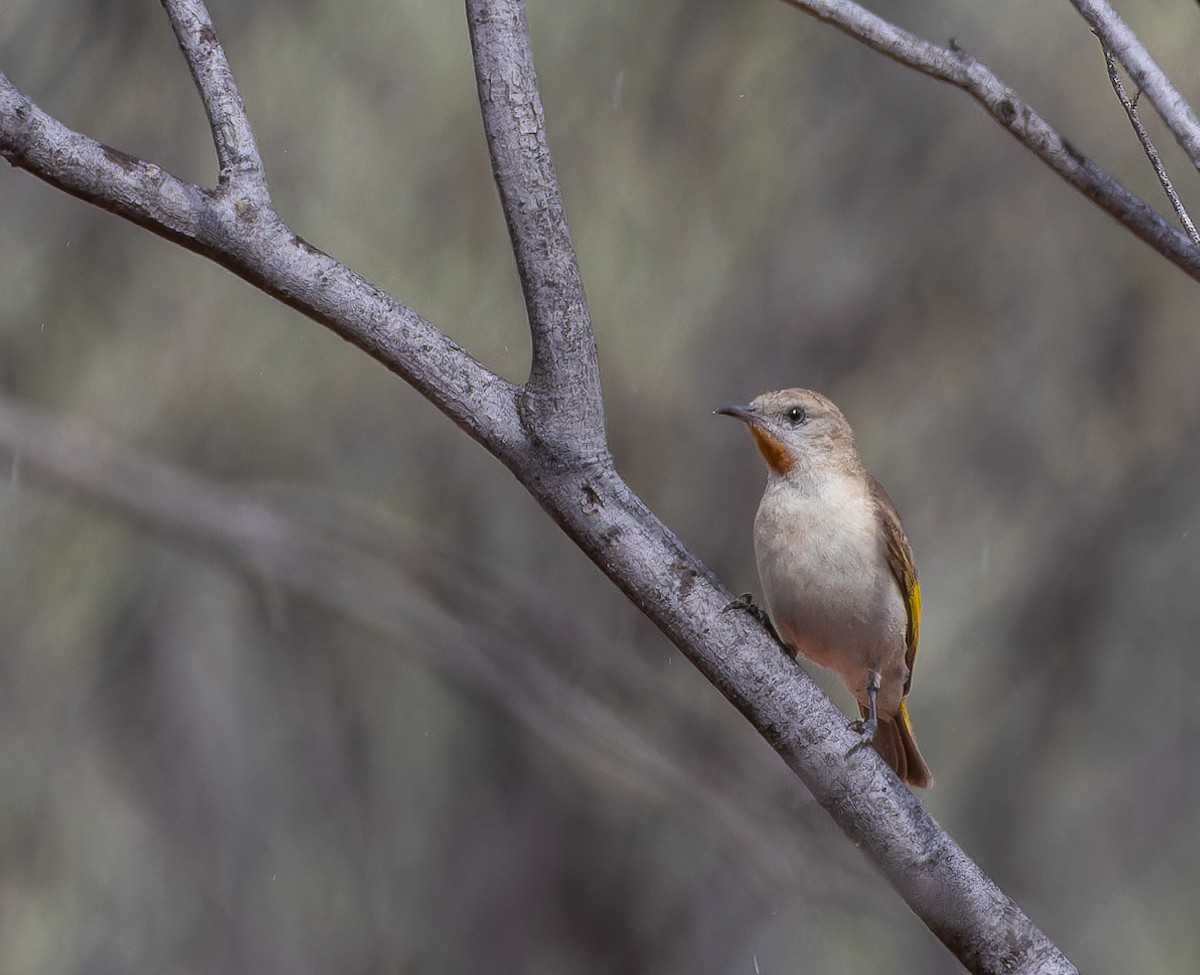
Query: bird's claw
x,y
746,602
866,731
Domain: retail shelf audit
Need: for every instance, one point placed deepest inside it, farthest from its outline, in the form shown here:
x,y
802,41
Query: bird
x,y
836,567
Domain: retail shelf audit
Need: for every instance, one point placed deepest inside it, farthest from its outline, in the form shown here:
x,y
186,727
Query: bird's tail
x,y
895,743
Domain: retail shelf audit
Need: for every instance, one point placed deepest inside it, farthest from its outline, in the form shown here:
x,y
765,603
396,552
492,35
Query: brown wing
x,y
900,560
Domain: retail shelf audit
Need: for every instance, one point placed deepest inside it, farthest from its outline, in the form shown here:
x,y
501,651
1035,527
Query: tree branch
x,y
1116,37
250,240
532,432
237,152
958,68
563,394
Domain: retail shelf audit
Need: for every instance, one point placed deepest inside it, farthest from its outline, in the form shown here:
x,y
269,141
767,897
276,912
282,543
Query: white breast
x,y
826,580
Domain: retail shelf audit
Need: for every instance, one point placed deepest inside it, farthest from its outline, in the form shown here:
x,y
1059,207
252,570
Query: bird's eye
x,y
796,415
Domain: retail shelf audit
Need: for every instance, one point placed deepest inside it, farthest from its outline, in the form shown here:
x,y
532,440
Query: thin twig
x,y
1130,106
955,66
1117,38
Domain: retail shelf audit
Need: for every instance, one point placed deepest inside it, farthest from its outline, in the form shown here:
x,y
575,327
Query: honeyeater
x,y
836,568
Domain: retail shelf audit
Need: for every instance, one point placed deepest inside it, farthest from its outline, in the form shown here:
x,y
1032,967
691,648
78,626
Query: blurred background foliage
x,y
487,761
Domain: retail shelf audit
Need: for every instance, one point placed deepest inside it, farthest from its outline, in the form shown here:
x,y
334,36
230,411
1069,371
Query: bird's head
x,y
796,428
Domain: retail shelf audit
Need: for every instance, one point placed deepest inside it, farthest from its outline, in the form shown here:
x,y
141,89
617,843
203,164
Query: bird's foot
x,y
746,602
866,731
869,724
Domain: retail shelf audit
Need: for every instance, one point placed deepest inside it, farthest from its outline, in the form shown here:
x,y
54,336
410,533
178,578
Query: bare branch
x,y
1160,170
1117,38
563,391
255,244
958,68
136,190
237,152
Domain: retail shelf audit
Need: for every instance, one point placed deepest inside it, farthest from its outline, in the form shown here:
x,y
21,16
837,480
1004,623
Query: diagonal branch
x,y
957,67
563,390
1117,38
237,152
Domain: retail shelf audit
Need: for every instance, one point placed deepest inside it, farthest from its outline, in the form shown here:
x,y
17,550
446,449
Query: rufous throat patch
x,y
775,452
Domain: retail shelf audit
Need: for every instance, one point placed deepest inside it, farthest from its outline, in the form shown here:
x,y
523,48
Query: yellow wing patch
x,y
912,599
900,561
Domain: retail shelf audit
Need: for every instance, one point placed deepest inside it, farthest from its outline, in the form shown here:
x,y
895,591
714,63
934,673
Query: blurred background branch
x,y
465,620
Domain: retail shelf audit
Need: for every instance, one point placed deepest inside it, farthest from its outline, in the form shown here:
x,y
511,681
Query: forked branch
x,y
956,67
1160,170
1117,39
549,432
235,226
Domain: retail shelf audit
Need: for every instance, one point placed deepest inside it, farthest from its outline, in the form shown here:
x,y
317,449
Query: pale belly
x,y
831,594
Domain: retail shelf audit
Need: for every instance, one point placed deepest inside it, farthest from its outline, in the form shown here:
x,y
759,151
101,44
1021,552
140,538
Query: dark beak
x,y
738,413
